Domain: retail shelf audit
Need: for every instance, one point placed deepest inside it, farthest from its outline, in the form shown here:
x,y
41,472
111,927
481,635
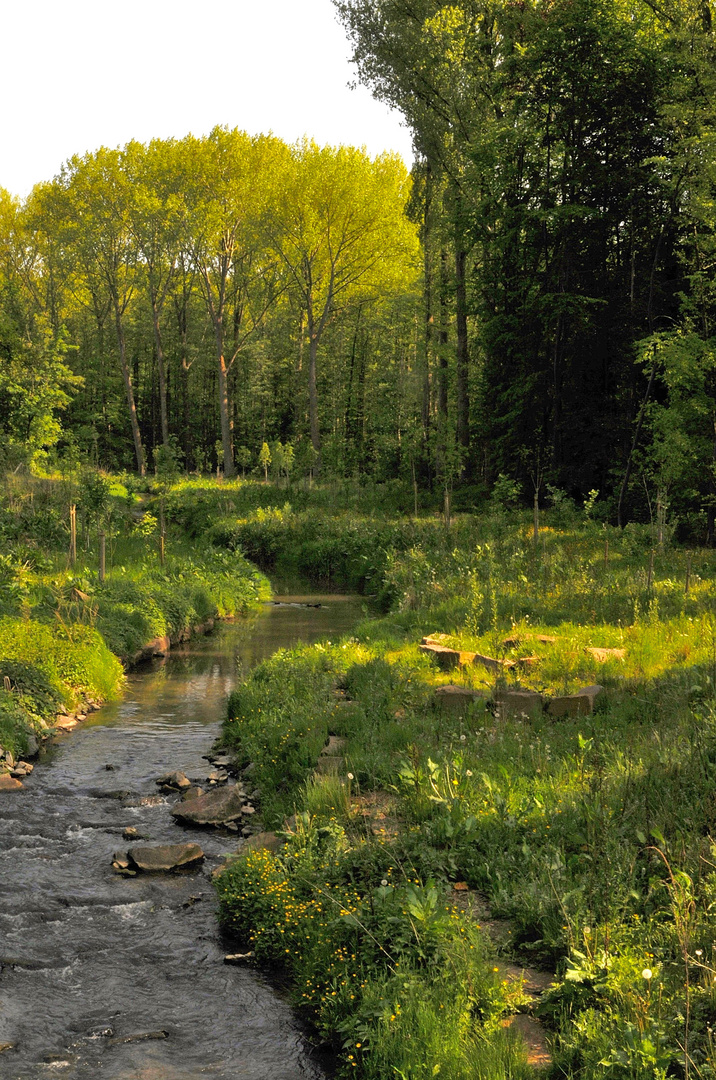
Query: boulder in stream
x,y
164,856
9,783
215,808
174,781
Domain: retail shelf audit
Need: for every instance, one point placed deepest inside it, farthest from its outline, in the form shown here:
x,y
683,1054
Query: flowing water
x,y
88,959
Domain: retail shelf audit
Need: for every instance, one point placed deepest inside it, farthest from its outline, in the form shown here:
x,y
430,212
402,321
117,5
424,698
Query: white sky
x,y
79,74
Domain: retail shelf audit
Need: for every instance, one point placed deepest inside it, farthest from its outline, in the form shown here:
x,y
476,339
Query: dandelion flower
x,y
350,775
383,882
646,974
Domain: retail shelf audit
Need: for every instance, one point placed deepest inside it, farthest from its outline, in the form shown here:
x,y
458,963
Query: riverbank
x,y
451,810
67,632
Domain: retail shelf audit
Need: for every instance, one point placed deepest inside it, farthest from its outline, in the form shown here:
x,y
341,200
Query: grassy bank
x,y
586,841
65,635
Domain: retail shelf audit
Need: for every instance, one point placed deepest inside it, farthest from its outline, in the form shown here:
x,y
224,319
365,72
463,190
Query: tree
x,y
87,207
339,226
265,459
228,176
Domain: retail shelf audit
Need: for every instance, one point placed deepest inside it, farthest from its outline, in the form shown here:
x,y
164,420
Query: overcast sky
x,y
79,74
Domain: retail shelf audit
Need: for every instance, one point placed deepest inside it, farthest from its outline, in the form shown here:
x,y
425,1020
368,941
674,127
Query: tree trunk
x,y
126,375
441,450
161,369
463,358
226,442
313,392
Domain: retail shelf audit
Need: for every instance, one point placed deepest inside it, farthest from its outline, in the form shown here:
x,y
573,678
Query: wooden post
x,y
651,571
688,574
535,519
415,490
102,555
73,534
162,531
606,554
447,507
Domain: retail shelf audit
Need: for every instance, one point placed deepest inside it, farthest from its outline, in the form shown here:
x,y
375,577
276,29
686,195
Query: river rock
x,y
5,1046
120,861
248,809
218,777
174,781
215,808
193,792
164,856
130,833
9,783
238,957
262,841
32,746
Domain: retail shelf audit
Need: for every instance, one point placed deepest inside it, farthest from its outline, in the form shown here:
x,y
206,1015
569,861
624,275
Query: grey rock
x,y
238,957
164,856
120,860
214,808
193,792
130,833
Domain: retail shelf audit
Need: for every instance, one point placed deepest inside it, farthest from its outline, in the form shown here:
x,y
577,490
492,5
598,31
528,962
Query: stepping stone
x,y
579,704
603,655
519,702
215,808
539,1054
569,705
457,698
446,659
329,764
164,856
490,662
334,747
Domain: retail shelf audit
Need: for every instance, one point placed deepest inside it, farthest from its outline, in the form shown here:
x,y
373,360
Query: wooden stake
x,y
688,574
651,571
535,519
447,507
73,534
102,555
606,554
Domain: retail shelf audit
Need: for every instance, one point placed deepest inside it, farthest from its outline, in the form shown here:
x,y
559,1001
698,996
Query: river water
x,y
90,960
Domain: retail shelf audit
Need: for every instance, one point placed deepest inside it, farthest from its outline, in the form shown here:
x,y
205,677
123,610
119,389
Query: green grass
x,y
74,630
591,837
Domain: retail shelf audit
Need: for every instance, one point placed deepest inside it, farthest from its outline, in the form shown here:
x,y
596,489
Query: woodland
x,y
479,393
534,299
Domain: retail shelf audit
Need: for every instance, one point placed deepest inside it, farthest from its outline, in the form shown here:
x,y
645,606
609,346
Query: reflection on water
x,y
89,958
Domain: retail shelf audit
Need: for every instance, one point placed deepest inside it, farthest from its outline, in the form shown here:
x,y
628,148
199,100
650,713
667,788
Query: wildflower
x,y
468,772
646,974
350,776
699,952
383,882
462,738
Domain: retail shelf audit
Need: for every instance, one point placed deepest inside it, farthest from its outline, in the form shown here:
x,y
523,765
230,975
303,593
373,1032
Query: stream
x,y
109,976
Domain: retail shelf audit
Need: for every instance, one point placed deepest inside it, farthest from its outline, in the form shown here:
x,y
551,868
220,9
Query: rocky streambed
x,y
118,971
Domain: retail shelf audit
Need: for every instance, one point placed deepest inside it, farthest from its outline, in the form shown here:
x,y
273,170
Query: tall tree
x,y
339,226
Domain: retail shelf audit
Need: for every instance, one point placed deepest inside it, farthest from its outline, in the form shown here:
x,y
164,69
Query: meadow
x,y
442,846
